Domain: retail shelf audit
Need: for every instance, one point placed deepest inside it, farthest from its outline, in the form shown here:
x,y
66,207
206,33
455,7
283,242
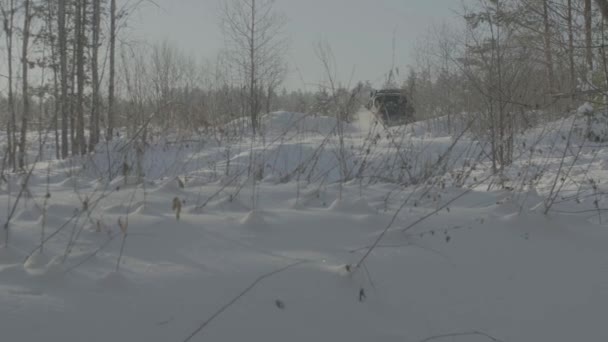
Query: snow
x,y
356,206
490,261
37,260
253,219
585,109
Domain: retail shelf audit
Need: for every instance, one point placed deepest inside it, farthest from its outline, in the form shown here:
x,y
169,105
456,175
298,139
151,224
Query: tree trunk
x,y
12,125
603,5
94,125
269,99
573,81
63,78
25,68
80,43
588,35
252,66
111,114
547,41
71,102
56,92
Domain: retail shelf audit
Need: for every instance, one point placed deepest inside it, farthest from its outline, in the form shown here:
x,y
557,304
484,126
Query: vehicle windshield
x,y
391,99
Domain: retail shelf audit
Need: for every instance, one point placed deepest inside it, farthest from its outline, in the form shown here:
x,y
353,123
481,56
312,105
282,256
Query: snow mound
x,y
296,204
282,122
537,223
113,281
119,209
31,214
288,160
200,178
122,181
585,109
172,186
8,256
309,198
33,180
528,201
228,203
36,261
55,267
147,210
253,219
271,179
339,270
60,209
357,206
193,210
70,182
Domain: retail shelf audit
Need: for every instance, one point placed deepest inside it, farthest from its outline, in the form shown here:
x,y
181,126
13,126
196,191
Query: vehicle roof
x,y
389,92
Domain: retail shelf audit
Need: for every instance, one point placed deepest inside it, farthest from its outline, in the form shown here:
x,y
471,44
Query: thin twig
x,y
240,295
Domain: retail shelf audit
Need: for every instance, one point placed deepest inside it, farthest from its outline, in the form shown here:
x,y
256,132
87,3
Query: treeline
x,y
56,52
75,78
72,73
509,63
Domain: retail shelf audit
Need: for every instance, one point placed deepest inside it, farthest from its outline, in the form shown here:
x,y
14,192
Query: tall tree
x,y
547,40
603,5
572,66
61,24
275,77
24,74
8,16
111,88
50,12
81,6
94,125
588,35
254,31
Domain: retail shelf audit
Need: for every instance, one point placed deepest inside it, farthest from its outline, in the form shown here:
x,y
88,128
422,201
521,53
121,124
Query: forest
x,y
151,194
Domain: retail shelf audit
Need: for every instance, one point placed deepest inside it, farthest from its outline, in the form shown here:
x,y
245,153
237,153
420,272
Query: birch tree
x,y
547,41
63,65
588,35
254,34
94,124
8,15
111,87
603,5
81,6
27,16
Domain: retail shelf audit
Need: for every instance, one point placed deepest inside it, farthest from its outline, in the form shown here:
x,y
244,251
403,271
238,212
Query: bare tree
x,y
111,88
8,16
167,66
570,21
94,124
444,50
276,75
253,30
344,104
81,6
25,67
588,35
547,41
63,65
603,5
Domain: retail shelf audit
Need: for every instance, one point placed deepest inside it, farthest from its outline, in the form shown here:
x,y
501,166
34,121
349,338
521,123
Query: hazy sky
x,y
359,31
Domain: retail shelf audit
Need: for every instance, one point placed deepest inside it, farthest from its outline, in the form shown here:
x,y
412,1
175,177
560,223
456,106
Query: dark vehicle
x,y
391,107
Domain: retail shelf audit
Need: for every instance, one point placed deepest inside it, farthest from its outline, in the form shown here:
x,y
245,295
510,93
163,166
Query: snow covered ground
x,y
464,256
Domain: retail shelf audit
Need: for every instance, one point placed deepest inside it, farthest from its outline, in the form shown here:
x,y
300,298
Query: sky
x,y
360,32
